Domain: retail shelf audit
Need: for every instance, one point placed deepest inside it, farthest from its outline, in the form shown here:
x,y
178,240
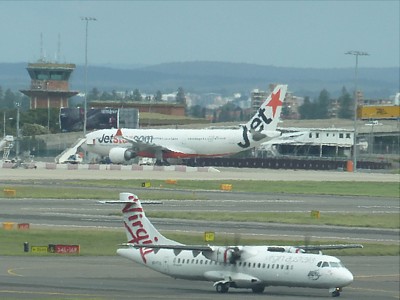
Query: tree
x,y
105,96
227,112
94,94
180,96
345,105
114,94
9,99
196,111
137,96
1,97
323,105
285,111
158,96
307,110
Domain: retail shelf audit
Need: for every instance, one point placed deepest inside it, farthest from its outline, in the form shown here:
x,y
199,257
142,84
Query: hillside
x,y
218,77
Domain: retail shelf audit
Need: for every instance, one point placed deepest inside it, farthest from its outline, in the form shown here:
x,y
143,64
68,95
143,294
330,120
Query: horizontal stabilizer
x,y
128,201
330,247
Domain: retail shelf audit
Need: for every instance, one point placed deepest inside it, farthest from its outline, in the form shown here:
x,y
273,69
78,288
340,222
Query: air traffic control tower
x,y
49,84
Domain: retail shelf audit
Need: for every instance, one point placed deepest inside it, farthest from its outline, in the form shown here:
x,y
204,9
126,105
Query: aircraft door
x,y
166,264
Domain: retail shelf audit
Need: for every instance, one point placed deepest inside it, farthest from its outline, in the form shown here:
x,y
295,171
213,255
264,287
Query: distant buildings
x,y
290,105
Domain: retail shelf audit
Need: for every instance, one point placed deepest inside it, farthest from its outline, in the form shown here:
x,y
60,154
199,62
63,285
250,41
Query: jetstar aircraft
x,y
124,144
251,267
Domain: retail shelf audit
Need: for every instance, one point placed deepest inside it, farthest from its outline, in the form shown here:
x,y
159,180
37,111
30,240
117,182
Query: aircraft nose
x,y
347,277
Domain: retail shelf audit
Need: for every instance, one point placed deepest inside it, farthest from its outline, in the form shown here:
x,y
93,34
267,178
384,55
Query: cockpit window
x,y
335,264
325,264
319,264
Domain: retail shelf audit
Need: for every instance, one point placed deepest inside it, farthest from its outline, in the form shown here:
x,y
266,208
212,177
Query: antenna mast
x,y
58,48
41,47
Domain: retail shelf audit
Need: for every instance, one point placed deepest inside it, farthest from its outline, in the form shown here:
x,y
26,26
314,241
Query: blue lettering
x,y
246,140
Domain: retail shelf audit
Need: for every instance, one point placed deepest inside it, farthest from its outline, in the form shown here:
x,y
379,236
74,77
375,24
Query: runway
x,y
83,172
81,277
80,213
116,278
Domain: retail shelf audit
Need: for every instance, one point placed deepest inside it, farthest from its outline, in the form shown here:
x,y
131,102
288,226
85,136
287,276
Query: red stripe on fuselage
x,y
171,154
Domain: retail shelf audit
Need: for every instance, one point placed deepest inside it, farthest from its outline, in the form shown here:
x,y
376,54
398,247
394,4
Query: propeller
x,y
235,251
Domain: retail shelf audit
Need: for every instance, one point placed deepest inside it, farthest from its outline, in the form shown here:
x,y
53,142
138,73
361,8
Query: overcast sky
x,y
281,33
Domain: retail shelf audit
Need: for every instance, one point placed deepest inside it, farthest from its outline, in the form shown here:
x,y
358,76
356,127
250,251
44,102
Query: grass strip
x,y
86,189
349,188
98,242
335,219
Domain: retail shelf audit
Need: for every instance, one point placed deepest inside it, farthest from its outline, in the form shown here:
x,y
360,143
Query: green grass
x,y
379,189
80,192
105,242
86,189
334,219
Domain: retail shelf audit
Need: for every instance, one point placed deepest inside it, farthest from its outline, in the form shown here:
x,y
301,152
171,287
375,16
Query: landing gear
x,y
336,292
162,162
258,289
222,287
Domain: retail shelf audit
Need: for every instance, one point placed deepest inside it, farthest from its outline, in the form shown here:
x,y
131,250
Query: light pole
x,y
86,19
4,124
356,54
18,105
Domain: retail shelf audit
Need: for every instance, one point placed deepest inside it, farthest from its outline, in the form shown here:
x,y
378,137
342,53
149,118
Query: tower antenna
x,y
41,47
58,48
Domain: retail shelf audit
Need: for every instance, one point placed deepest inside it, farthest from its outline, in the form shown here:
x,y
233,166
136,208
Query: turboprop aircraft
x,y
121,145
251,267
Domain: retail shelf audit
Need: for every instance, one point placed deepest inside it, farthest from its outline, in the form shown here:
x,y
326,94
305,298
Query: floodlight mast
x,y
87,20
356,54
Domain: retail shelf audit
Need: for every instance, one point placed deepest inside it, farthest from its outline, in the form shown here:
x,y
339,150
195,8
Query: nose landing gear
x,y
335,292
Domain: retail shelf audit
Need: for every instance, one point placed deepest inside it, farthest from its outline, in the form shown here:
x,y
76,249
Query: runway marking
x,y
13,273
376,276
51,294
371,290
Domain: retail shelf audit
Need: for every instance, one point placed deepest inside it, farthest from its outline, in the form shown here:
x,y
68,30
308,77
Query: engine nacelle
x,y
287,249
223,254
119,155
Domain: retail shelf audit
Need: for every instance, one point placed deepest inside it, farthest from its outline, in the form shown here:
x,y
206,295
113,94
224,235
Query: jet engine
x,y
119,155
224,254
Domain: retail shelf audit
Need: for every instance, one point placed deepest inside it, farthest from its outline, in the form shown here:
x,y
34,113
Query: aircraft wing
x,y
173,247
140,146
288,138
329,247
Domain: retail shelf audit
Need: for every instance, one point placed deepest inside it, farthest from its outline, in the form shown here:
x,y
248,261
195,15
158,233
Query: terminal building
x,y
312,142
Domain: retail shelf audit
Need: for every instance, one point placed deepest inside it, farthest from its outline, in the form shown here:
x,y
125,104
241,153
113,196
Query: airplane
x,y
248,267
121,145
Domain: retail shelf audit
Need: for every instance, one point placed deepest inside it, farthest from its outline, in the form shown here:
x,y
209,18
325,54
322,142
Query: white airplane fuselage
x,y
123,144
253,267
260,268
186,142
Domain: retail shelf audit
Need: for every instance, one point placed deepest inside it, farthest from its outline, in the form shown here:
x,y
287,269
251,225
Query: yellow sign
x,y
9,193
209,236
315,214
39,249
146,184
379,112
226,187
